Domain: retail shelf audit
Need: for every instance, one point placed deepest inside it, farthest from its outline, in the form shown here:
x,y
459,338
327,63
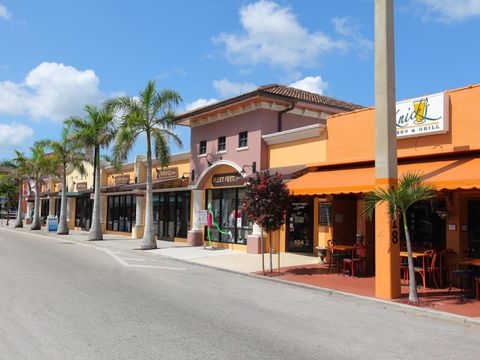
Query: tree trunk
x,y
19,220
8,211
148,240
95,232
278,255
412,295
62,222
36,225
271,254
262,249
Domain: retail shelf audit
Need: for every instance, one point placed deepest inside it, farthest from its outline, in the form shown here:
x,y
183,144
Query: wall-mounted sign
x,y
122,179
202,217
230,179
169,173
427,115
81,186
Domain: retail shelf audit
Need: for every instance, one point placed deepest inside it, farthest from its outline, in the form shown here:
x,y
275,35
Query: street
x,y
60,299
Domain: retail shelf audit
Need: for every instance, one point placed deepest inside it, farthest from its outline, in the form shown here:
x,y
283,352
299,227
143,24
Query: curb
x,y
418,311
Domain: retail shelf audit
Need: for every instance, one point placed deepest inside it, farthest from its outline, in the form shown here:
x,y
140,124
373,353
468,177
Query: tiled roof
x,y
277,91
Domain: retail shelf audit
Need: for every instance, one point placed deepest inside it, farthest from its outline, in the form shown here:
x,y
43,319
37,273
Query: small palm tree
x,y
151,113
409,190
20,172
39,165
96,131
69,154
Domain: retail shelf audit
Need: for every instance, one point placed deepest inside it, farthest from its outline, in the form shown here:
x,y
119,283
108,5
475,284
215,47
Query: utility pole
x,y
387,232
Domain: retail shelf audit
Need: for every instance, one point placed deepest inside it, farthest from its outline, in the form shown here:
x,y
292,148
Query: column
x,y
195,235
254,241
139,227
387,232
51,207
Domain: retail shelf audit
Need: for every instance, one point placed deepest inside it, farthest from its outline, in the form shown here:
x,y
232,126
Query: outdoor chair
x,y
358,262
336,257
477,287
428,267
463,276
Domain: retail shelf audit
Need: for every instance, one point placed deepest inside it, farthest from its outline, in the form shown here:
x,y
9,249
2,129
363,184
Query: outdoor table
x,y
342,248
469,261
414,254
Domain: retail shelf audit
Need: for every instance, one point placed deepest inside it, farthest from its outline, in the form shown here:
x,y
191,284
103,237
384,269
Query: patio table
x,y
414,254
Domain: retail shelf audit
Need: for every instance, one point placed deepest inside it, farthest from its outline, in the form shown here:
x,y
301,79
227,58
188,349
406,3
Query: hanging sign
x,y
427,115
81,186
122,179
230,179
169,173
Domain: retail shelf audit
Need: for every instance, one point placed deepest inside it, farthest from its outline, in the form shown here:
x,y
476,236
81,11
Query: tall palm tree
x,y
69,154
152,114
39,165
20,172
409,190
95,131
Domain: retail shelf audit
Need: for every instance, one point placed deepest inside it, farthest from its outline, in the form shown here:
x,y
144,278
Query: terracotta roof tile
x,y
277,90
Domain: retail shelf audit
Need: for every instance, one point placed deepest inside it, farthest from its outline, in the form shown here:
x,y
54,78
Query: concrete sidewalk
x,y
232,260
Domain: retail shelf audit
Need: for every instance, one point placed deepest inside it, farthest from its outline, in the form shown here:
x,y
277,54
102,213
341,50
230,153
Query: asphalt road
x,y
65,300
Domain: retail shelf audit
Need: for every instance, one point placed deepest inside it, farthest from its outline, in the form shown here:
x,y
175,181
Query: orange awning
x,y
444,175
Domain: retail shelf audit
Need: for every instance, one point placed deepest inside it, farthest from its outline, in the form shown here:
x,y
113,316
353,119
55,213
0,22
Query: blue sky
x,y
57,55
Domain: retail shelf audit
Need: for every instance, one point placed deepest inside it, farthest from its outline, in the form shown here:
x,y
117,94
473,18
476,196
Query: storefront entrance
x,y
83,213
427,228
300,226
171,214
121,212
474,229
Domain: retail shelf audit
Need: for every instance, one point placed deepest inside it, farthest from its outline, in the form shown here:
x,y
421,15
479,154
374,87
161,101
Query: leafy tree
x,y
266,202
152,114
409,190
8,189
95,131
69,154
20,172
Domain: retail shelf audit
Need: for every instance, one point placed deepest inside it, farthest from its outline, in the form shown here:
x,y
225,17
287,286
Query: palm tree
x,y
409,190
39,165
68,154
20,172
96,131
150,113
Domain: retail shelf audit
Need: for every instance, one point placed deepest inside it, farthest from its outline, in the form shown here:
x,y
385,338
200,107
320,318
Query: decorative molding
x,y
301,133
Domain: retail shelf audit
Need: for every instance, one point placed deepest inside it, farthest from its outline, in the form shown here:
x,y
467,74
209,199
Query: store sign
x,y
122,179
427,115
169,173
230,179
81,186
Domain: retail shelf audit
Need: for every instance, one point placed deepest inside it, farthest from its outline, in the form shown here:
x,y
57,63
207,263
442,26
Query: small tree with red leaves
x,y
265,203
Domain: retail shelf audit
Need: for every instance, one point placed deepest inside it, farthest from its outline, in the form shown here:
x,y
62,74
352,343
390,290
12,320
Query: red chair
x,y
358,261
336,257
429,259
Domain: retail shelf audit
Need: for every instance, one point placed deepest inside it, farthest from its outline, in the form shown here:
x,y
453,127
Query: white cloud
x,y
4,13
50,91
228,88
200,103
14,134
313,84
273,35
349,28
448,11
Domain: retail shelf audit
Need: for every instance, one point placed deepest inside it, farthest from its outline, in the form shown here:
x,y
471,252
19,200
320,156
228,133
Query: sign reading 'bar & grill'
x,y
81,186
122,179
230,179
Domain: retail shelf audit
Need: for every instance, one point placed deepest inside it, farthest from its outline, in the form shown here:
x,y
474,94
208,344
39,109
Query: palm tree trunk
x,y
62,223
412,295
148,240
36,216
262,249
95,232
19,220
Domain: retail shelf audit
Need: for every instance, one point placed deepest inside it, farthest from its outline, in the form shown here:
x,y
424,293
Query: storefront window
x,y
121,213
83,213
226,205
171,214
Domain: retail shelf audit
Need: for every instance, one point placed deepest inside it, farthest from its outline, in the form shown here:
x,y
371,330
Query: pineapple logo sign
x,y
422,116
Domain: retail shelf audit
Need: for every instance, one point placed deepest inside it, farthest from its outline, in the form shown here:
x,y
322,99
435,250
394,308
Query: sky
x,y
56,55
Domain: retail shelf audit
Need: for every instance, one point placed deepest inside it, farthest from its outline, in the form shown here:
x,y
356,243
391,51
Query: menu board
x,y
324,214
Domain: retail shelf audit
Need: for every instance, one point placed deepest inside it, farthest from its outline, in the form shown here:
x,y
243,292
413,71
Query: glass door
x,y
474,229
300,226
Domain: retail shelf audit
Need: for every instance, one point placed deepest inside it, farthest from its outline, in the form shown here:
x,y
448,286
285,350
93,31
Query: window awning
x,y
443,174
